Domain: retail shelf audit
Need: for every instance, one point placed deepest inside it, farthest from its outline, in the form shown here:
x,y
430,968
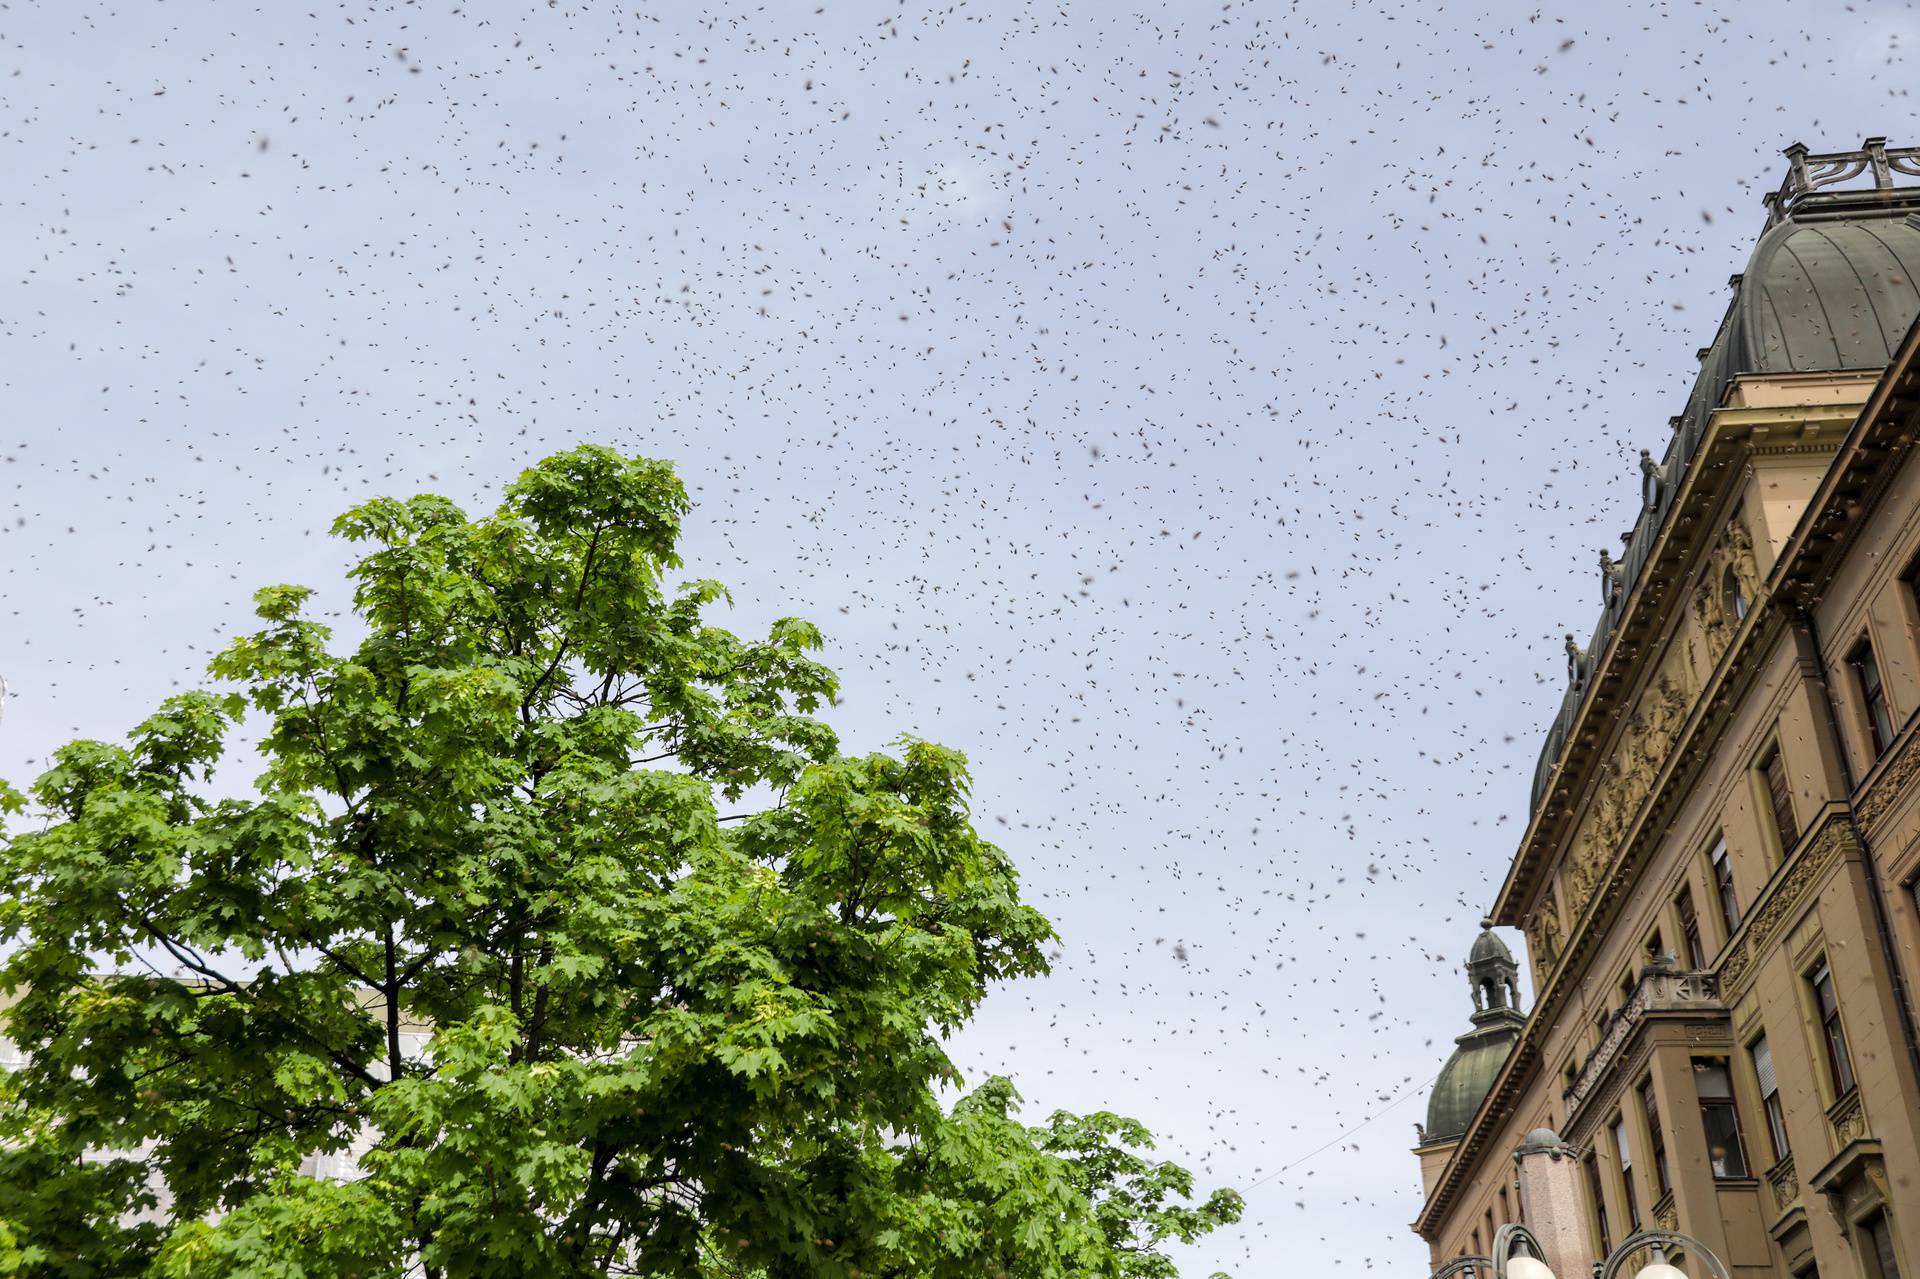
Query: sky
x,y
1205,415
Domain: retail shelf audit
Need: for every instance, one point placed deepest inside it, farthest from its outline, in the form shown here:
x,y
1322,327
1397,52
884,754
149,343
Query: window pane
x,y
1781,797
1763,1067
1711,1080
1762,1054
1723,1139
1879,1234
1723,885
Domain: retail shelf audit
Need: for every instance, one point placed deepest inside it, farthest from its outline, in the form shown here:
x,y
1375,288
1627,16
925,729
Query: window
x,y
1723,885
1657,1140
1696,954
1599,1202
1733,599
1506,1207
1832,1035
1773,777
1873,696
1625,1153
1720,1119
1876,1234
1626,988
1656,946
1770,1097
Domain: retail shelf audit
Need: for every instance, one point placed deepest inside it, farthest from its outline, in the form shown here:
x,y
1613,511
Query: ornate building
x,y
1718,878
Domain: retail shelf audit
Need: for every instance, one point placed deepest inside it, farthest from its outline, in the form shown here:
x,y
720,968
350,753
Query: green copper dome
x,y
1479,1054
1468,1075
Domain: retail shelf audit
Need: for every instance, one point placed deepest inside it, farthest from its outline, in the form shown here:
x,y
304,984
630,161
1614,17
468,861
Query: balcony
x,y
1662,989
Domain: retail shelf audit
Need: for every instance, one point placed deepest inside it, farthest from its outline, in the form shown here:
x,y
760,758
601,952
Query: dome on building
x,y
1464,1082
1488,946
1827,295
1479,1054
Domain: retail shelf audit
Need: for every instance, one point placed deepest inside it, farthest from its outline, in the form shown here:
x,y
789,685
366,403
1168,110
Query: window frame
x,y
1597,1195
1721,1102
1772,1111
1783,821
1876,1244
1870,683
1688,913
1836,1050
1656,1140
1726,892
1623,1158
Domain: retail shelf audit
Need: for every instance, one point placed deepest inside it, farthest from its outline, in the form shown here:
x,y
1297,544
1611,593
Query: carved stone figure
x,y
1543,939
1741,559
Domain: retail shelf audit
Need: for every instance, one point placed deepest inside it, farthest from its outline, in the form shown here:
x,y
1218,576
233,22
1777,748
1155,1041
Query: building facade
x,y
1718,881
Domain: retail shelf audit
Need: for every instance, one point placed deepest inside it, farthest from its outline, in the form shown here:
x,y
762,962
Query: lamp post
x,y
1516,1255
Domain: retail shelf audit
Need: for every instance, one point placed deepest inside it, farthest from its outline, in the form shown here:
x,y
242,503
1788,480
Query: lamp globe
x,y
1533,1268
1661,1270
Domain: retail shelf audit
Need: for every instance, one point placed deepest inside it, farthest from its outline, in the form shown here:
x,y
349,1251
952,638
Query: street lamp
x,y
1465,1268
1518,1255
1658,1242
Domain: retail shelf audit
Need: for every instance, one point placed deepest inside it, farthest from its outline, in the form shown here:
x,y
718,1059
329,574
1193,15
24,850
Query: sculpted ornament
x,y
1543,939
1741,559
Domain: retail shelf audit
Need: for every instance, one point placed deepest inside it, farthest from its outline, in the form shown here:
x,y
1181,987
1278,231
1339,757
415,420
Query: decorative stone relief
x,y
1892,784
1849,1119
1543,937
1788,898
1782,1185
1728,587
1627,778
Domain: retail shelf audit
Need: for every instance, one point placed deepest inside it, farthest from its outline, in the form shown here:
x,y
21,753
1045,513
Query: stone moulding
x,y
1782,1185
1895,778
1849,1119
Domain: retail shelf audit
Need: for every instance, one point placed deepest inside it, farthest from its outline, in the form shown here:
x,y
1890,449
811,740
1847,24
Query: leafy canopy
x,y
483,945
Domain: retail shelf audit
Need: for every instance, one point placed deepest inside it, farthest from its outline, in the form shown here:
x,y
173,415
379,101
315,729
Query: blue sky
x,y
1205,415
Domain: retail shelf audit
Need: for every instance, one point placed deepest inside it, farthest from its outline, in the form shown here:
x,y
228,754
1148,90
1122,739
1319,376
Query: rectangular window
x,y
1773,775
1696,954
1770,1097
1873,696
1721,1120
1624,1152
1722,867
1832,1035
1599,1201
1656,1140
1877,1233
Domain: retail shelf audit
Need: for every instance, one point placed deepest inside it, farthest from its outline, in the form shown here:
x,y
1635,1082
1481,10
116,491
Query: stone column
x,y
1553,1202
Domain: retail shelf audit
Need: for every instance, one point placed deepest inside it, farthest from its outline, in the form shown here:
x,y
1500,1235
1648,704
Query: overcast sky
x,y
1206,415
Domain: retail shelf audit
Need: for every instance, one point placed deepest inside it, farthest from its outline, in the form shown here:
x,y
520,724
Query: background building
x,y
1717,880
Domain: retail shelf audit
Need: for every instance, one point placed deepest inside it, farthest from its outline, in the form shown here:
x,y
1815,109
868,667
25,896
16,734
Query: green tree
x,y
485,915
